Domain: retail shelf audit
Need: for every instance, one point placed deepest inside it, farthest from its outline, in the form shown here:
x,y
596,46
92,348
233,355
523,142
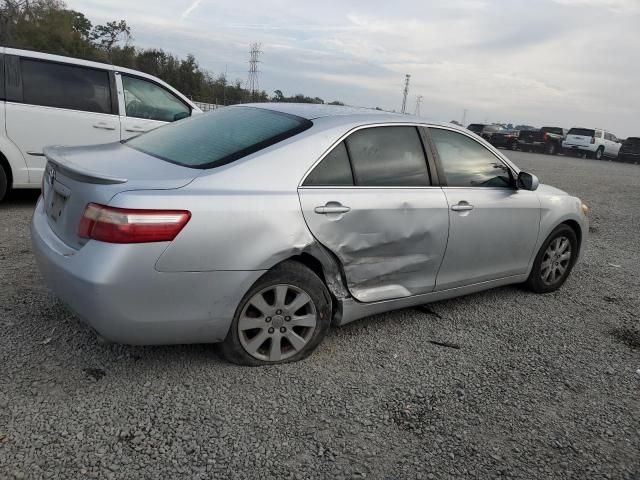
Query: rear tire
x,y
599,153
4,183
554,261
293,317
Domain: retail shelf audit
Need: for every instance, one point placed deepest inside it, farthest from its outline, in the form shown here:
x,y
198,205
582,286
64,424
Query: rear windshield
x,y
555,130
219,137
493,128
475,127
585,132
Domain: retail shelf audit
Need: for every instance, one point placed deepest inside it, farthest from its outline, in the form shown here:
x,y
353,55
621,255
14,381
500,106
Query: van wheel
x,y
599,153
554,261
281,319
4,183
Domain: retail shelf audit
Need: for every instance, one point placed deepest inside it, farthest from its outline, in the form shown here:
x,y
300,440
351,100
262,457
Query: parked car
x,y
547,139
49,99
485,131
259,226
591,143
630,150
506,138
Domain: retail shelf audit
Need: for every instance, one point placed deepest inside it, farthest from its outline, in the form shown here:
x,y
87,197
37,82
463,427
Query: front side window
x,y
65,86
466,163
144,99
219,137
388,156
333,170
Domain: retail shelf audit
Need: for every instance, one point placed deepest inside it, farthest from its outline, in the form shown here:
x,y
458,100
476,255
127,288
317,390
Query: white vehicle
x,y
591,142
53,100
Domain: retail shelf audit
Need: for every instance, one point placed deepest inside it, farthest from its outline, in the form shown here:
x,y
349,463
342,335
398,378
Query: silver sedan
x,y
260,226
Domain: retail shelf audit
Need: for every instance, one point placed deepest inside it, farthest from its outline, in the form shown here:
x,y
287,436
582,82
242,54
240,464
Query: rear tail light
x,y
593,140
545,137
122,225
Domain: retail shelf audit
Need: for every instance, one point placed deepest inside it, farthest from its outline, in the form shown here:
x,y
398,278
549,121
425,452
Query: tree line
x,y
49,26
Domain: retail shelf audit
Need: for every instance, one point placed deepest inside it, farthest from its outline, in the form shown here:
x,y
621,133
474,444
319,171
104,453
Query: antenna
x,y
252,82
418,103
405,92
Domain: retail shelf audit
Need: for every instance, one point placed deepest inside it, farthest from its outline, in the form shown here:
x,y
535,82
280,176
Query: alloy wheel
x,y
556,260
277,322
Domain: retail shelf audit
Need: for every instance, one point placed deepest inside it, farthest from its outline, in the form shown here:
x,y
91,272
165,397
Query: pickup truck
x,y
547,139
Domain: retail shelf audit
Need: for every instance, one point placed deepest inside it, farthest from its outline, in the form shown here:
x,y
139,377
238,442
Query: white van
x,y
53,100
591,142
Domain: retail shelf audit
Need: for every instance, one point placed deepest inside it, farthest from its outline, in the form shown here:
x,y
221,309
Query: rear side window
x,y
219,137
333,170
65,86
467,163
585,132
147,100
388,156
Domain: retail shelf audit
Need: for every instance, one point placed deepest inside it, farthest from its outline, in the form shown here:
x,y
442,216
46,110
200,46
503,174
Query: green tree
x,y
108,35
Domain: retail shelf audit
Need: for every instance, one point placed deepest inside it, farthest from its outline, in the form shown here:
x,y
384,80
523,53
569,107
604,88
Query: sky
x,y
537,62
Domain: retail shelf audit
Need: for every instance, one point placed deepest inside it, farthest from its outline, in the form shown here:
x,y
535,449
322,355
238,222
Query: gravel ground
x,y
540,386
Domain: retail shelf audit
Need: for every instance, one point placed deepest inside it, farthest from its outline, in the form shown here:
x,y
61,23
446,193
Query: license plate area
x,y
55,206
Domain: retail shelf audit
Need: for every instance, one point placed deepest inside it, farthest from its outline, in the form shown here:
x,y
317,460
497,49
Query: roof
x,y
311,111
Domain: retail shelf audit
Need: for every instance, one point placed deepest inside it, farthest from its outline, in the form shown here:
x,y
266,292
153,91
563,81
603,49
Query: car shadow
x,y
20,198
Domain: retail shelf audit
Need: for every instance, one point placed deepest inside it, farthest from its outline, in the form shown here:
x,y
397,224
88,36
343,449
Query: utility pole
x,y
464,117
418,102
252,82
405,92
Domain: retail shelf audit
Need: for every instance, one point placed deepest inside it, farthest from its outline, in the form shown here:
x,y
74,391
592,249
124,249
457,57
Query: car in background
x,y
505,138
591,143
485,131
54,100
261,226
630,150
547,139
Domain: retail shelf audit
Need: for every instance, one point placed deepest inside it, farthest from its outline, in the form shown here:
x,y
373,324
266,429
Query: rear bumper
x,y
524,143
567,147
116,290
629,157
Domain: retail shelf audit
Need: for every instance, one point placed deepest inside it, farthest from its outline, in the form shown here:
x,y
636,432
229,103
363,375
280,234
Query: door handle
x,y
332,207
135,129
462,207
103,126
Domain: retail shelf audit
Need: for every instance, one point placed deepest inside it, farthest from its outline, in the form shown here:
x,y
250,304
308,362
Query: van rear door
x,y
54,103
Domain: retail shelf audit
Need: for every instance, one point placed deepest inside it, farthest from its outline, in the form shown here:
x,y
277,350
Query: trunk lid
x,y
76,176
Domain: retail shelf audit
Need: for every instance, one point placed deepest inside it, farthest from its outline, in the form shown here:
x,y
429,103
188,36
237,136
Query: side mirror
x,y
527,181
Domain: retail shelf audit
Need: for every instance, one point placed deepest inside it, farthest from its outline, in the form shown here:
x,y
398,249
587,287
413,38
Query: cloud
x,y
564,62
189,10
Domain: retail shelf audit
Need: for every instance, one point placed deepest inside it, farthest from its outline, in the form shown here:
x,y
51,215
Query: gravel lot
x,y
540,386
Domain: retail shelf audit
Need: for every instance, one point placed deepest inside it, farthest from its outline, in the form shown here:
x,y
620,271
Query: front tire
x,y
4,183
281,319
554,261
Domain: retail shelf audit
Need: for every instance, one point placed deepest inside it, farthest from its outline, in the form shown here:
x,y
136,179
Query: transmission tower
x,y
418,103
405,92
252,82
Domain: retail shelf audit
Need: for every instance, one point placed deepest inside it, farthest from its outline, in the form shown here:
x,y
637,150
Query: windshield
x,y
219,137
585,132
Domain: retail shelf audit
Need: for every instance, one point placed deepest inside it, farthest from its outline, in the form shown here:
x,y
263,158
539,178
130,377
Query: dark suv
x,y
484,130
630,150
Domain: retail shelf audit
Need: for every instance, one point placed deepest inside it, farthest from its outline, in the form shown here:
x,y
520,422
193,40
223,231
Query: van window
x,y
65,86
144,99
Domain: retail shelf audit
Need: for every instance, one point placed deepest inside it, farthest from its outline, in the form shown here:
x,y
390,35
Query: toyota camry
x,y
262,226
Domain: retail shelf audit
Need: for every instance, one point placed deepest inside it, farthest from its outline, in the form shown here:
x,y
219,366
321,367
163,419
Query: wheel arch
x,y
575,226
4,163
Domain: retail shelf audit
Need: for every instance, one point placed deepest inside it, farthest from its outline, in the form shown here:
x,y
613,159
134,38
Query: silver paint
x,y
393,248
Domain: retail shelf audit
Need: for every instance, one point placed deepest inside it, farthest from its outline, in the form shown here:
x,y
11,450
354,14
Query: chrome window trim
x,y
362,127
487,146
